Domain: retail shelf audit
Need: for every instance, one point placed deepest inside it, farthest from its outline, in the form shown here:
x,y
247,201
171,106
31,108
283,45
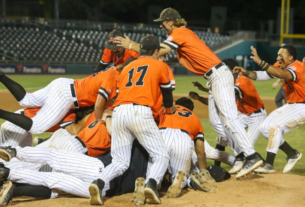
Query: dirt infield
x,y
201,110
254,190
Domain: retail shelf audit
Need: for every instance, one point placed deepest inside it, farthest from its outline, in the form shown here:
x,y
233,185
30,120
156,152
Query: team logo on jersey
x,y
93,124
292,68
237,84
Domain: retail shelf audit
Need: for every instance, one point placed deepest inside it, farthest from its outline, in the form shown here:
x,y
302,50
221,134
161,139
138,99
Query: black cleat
x,y
4,173
151,193
96,189
250,165
7,153
6,193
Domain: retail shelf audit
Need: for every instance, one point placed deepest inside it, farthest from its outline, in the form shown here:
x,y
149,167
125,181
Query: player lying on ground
x,y
199,59
57,98
77,171
251,113
287,117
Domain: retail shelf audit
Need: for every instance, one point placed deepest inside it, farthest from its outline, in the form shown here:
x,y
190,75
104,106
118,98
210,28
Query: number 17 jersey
x,y
140,82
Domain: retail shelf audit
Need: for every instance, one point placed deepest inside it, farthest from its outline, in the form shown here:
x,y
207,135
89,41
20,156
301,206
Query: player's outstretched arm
x,y
274,71
241,71
200,87
199,149
99,107
195,96
128,43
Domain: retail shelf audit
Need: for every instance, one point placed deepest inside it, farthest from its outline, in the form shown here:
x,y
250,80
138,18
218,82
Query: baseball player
x,y
199,59
141,84
76,171
12,135
113,53
287,117
57,98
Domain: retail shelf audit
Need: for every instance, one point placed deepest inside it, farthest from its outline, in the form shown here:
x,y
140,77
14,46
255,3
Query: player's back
x,y
87,89
248,99
140,82
183,119
193,53
295,90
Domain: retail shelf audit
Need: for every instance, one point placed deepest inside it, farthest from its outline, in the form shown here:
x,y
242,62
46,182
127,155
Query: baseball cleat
x,y
266,168
151,193
138,195
7,153
250,165
96,189
4,173
203,181
291,161
238,165
175,189
6,193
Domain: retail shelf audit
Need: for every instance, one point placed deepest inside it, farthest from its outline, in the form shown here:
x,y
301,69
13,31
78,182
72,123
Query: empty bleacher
x,y
41,43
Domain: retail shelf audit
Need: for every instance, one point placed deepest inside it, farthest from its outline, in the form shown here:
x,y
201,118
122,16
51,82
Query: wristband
x,y
247,73
168,110
130,46
262,64
265,66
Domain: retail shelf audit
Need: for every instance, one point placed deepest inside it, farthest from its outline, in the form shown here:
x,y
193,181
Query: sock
x,y
32,191
17,119
220,148
240,156
17,90
270,158
289,151
251,157
153,182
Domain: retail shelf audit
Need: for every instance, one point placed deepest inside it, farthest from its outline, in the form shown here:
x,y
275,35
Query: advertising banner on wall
x,y
33,69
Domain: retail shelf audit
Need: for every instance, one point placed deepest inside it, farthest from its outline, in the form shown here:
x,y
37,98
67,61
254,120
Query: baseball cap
x,y
110,39
168,14
218,173
150,42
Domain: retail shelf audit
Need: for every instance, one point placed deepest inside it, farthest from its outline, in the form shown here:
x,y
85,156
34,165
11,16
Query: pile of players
x,y
118,131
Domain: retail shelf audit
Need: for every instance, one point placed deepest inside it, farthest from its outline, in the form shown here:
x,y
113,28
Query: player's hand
x,y
194,95
255,56
123,42
199,86
239,70
274,85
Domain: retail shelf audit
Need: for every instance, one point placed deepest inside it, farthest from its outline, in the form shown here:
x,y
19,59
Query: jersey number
x,y
140,82
185,113
290,86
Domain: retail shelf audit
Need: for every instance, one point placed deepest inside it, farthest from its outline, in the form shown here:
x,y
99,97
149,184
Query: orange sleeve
x,y
296,72
164,80
108,89
175,40
107,56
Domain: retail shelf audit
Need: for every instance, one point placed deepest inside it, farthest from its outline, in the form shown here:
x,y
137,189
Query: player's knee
x,y
264,129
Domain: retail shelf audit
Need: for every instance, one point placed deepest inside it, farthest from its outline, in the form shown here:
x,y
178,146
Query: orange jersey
x,y
183,119
103,83
192,51
140,82
67,120
108,57
295,88
247,98
95,136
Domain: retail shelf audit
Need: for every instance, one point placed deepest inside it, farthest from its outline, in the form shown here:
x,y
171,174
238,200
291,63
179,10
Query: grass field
x,y
296,138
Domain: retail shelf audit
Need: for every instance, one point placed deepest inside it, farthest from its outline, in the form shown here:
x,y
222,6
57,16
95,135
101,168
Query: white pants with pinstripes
x,y
282,121
222,87
179,147
55,101
74,172
12,135
225,137
129,121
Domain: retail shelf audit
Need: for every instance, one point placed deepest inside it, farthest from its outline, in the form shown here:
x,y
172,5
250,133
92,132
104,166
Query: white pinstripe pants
x,y
130,121
179,147
222,86
12,135
282,121
55,101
